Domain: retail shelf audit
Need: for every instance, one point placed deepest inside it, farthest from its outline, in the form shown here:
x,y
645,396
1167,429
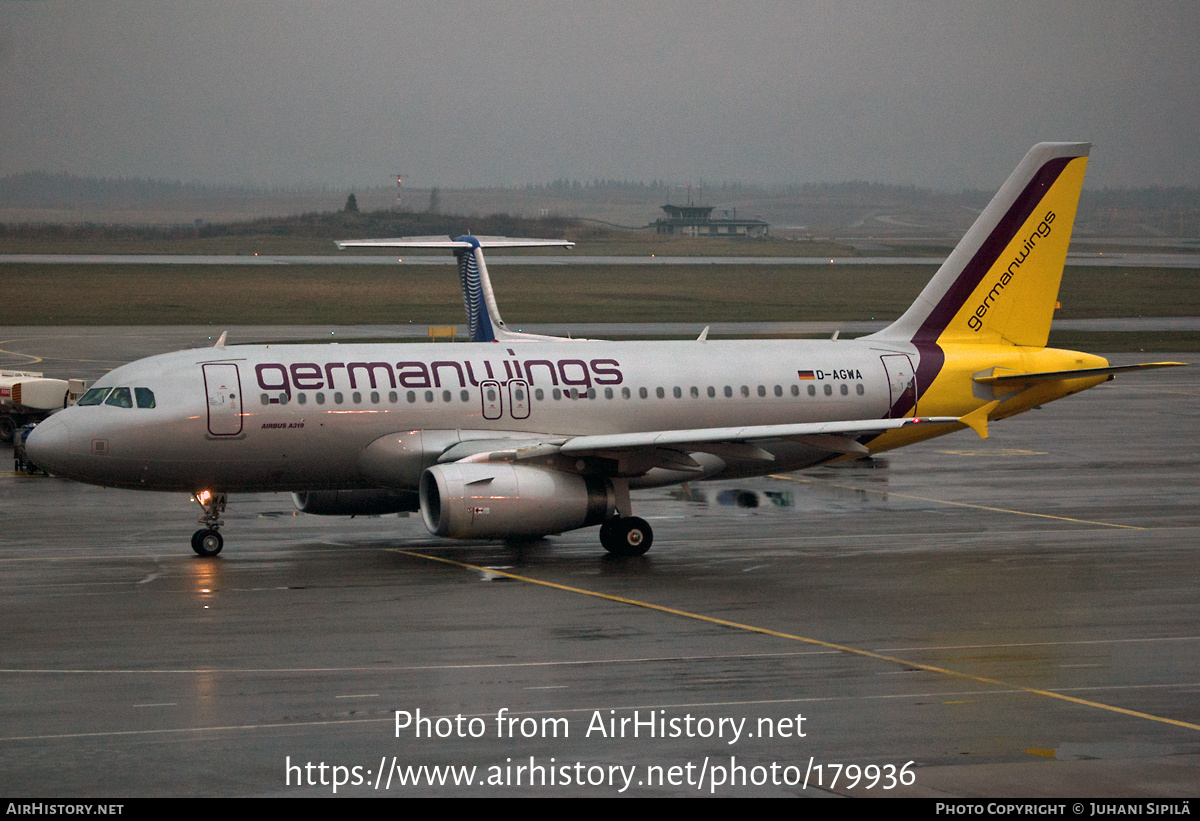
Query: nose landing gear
x,y
207,541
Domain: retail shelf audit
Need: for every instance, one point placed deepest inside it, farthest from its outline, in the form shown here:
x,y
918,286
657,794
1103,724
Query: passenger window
x,y
778,390
357,397
829,390
93,397
445,396
845,389
678,392
642,393
412,397
120,398
557,393
428,396
301,398
660,393
859,389
608,394
265,399
625,394
762,390
812,390
795,390
728,392
464,396
320,398
337,397
374,397
539,394
745,391
711,391
393,398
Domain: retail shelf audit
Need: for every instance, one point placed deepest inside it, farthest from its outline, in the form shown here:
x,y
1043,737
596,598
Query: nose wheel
x,y
207,540
626,536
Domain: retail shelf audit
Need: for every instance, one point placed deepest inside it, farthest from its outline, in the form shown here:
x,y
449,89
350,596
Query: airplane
x,y
517,436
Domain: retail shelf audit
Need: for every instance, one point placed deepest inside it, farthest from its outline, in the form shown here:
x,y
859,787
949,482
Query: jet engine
x,y
475,500
355,502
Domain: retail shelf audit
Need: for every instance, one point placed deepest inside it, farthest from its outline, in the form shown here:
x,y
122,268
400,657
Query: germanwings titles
x,y
517,436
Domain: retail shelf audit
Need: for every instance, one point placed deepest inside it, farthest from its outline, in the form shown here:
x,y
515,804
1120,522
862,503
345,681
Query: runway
x,y
1013,617
1082,259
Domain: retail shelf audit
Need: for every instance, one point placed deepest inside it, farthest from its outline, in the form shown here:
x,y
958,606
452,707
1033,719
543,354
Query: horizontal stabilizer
x,y
447,242
1077,373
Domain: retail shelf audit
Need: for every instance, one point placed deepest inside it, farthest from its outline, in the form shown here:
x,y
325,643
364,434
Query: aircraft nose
x,y
49,444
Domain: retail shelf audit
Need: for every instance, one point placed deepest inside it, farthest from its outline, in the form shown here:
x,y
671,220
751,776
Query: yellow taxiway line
x,y
792,637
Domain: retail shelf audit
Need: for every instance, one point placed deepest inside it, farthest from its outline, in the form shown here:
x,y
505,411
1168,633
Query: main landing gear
x,y
207,541
626,536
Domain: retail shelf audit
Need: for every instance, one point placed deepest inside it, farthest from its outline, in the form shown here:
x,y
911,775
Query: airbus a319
x,y
517,436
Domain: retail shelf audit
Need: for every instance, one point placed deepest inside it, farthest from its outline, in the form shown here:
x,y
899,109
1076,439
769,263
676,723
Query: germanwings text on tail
x,y
516,436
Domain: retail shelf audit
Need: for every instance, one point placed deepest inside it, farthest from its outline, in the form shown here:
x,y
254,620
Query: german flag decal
x,y
806,376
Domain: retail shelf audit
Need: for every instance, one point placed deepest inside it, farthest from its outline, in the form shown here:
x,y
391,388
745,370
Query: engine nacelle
x,y
477,500
356,502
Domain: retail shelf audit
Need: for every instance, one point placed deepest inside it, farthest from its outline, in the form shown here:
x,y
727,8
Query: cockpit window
x,y
145,397
120,398
94,396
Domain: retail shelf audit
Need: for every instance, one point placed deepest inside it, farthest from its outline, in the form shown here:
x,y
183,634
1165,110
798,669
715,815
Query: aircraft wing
x,y
696,439
835,437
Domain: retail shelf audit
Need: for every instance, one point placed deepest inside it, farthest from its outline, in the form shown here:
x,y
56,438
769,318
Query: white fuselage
x,y
301,417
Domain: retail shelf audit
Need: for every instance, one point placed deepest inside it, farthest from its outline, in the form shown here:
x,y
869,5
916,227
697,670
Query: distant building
x,y
697,221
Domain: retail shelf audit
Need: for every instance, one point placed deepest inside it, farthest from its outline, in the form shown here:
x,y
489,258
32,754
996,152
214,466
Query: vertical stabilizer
x,y
483,316
1000,284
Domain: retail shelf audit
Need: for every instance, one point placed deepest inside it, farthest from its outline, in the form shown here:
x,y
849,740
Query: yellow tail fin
x,y
1000,285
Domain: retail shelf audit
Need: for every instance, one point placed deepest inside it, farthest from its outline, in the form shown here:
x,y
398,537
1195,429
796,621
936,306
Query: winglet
x,y
703,334
221,341
977,419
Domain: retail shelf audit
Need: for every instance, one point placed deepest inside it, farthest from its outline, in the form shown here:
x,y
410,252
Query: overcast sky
x,y
293,92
